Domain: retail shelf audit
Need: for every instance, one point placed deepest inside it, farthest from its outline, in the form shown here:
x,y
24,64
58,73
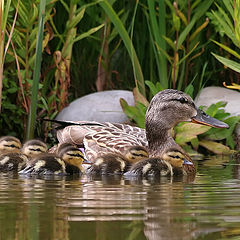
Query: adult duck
x,y
166,109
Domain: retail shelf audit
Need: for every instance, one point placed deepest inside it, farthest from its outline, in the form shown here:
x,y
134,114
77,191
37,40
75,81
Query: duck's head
x,y
135,153
173,106
9,144
34,147
169,107
71,155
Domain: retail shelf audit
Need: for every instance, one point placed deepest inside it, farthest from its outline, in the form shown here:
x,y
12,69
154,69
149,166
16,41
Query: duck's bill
x,y
203,118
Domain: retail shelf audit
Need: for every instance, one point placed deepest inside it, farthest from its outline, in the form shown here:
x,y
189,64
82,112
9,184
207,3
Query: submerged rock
x,y
100,106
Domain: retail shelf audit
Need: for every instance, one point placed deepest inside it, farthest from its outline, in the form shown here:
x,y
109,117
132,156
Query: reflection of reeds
x,y
112,207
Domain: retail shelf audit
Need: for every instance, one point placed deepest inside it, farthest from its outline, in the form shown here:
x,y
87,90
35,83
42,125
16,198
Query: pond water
x,y
207,207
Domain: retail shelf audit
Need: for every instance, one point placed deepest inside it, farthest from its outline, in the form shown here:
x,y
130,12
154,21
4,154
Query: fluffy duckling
x,y
113,163
73,158
17,159
34,147
9,144
67,160
172,162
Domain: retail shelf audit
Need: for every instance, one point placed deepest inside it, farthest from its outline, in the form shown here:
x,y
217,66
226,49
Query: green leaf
x,y
139,79
76,19
189,90
229,63
234,53
188,131
215,147
169,42
225,17
228,30
135,113
153,88
213,109
228,6
176,22
195,143
199,11
12,90
88,33
221,116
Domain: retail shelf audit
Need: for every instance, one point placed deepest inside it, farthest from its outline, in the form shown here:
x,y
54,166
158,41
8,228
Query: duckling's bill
x,y
186,162
205,119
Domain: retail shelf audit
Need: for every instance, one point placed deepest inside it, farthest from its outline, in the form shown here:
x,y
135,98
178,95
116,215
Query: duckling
x,y
73,158
9,144
113,163
17,160
172,162
67,160
34,147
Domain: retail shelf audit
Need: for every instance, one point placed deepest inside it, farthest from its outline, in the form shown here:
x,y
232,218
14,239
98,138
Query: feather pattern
x,y
108,138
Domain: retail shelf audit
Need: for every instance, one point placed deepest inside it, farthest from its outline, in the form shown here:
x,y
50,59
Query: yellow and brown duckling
x,y
34,147
73,158
172,162
9,144
113,163
67,160
166,109
17,159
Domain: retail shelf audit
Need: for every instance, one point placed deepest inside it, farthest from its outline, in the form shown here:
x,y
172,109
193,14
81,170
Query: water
x,y
118,208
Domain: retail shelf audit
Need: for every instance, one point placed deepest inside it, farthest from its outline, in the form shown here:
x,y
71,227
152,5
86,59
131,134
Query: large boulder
x,y
100,106
210,95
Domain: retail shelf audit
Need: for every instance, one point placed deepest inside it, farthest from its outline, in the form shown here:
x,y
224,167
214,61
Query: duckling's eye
x,y
183,100
13,146
35,149
175,156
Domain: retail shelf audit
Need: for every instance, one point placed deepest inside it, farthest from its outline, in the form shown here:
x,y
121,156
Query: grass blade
x,y
229,63
139,80
36,74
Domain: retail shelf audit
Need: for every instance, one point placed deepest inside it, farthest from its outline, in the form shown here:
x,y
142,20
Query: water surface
x,y
207,207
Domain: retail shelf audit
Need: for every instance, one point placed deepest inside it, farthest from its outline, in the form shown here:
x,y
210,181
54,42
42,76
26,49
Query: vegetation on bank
x,y
108,44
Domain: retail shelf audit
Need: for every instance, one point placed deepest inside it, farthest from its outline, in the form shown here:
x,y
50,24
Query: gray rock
x,y
100,106
211,95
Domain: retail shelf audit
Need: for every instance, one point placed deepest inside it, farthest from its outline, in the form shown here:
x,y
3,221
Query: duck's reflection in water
x,y
150,204
115,207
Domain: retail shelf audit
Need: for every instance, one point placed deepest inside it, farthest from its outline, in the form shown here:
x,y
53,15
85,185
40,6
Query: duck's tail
x,y
63,124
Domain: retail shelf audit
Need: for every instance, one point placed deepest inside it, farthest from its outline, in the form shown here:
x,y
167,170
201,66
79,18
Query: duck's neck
x,y
159,139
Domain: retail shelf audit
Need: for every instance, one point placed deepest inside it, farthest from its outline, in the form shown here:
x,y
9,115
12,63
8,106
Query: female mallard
x,y
167,108
17,158
67,160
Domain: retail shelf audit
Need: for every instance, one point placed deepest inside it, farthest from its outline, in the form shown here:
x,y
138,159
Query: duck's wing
x,y
103,138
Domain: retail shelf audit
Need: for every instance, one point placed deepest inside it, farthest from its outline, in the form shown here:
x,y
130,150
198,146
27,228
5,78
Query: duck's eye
x,y
183,100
